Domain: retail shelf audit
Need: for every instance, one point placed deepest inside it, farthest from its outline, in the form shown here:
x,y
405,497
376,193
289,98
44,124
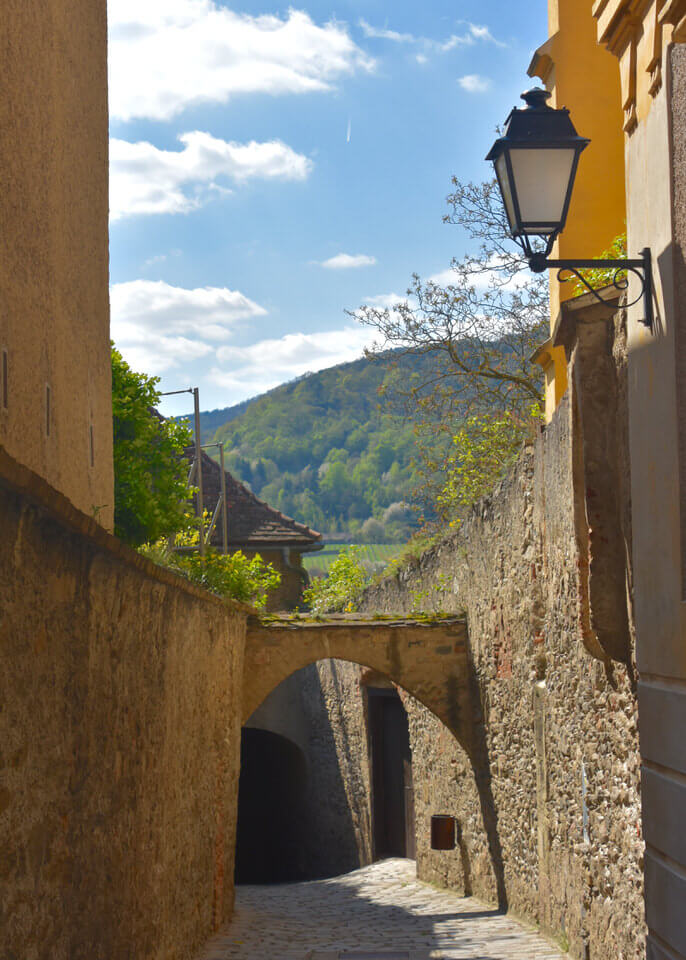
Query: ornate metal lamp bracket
x,y
641,268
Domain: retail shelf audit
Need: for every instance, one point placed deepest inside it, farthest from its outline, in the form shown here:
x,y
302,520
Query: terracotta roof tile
x,y
252,523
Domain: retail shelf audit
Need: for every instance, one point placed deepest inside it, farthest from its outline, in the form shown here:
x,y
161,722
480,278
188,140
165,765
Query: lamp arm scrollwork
x,y
640,268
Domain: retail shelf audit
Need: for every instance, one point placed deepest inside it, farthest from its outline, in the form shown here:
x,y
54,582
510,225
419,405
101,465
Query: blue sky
x,y
273,166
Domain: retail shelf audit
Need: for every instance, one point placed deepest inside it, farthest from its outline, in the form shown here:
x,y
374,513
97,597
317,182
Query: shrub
x,y
342,589
233,575
604,276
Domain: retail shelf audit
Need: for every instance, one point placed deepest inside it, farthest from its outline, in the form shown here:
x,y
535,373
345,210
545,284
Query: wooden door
x,y
392,791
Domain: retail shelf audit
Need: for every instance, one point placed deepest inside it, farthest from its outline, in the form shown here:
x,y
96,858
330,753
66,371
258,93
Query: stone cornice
x,y
618,21
543,61
624,27
674,13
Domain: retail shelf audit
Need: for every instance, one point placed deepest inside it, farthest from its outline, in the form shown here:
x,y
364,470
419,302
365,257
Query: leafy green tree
x,y
290,437
372,531
150,474
484,448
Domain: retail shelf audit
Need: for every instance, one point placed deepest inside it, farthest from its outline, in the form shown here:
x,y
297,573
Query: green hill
x,y
323,450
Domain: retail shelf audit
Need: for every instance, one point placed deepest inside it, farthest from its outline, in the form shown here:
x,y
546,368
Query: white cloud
x,y
473,34
421,58
159,327
152,261
385,301
145,179
445,46
385,34
444,278
245,371
493,273
166,55
156,355
205,311
347,261
160,258
483,33
474,83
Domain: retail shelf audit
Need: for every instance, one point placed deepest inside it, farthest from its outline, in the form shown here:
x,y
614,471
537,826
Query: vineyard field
x,y
372,554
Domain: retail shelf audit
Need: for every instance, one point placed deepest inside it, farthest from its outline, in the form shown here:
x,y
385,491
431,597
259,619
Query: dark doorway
x,y
271,794
391,761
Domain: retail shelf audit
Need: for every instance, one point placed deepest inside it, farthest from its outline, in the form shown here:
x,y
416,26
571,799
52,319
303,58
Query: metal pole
x,y
198,459
225,515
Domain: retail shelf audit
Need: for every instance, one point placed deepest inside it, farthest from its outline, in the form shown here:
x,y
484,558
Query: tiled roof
x,y
252,523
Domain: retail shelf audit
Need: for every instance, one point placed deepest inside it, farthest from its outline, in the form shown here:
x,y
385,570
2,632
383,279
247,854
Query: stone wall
x,y
289,594
555,781
120,689
321,710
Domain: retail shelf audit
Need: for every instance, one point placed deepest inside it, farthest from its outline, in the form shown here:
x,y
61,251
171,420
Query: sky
x,y
272,167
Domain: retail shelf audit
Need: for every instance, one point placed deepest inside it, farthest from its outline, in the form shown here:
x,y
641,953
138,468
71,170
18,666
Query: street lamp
x,y
535,165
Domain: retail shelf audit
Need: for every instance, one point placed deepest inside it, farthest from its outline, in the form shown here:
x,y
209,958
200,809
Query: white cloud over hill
x,y
247,371
158,326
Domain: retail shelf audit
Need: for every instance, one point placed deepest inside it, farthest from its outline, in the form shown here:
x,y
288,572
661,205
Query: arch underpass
x,y
427,657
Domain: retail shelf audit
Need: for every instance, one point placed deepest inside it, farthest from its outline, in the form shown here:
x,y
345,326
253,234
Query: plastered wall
x,y
55,379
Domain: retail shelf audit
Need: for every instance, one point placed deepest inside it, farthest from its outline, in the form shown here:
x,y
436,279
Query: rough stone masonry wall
x,y
321,711
560,726
119,738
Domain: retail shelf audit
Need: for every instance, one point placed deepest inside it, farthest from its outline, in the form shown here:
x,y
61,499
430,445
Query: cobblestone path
x,y
380,911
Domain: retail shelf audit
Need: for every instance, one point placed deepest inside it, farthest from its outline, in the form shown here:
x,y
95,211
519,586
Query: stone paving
x,y
380,911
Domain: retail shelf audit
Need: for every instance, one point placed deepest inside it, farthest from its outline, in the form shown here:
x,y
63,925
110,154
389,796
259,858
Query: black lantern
x,y
536,163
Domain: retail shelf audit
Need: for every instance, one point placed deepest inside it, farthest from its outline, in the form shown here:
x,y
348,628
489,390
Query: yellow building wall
x,y
583,76
55,375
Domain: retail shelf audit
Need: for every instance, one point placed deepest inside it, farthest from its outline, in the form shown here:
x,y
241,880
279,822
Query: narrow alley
x,y
381,912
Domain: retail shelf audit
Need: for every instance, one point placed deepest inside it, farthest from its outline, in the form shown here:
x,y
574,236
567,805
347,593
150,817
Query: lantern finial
x,y
537,99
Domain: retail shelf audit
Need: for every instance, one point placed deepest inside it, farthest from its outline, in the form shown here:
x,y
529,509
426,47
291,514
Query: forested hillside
x,y
326,450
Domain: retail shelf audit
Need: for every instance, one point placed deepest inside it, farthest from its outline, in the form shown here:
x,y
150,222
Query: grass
x,y
318,564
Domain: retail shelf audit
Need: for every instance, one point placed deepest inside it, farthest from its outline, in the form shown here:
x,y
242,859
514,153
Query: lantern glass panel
x,y
505,189
542,180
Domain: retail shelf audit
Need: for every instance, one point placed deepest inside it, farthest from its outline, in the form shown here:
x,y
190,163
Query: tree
x,y
483,449
478,327
151,491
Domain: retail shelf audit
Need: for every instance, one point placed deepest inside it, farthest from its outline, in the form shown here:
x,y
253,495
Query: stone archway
x,y
427,657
